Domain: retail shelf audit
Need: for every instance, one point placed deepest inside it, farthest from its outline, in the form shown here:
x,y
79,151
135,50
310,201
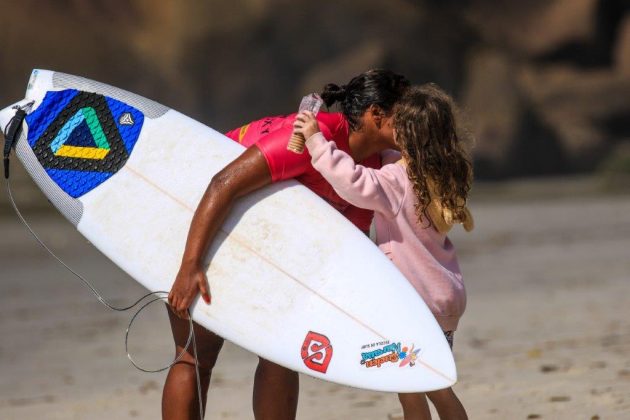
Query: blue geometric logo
x,y
81,138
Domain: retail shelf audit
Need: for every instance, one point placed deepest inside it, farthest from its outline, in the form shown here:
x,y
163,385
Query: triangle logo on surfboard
x,y
82,138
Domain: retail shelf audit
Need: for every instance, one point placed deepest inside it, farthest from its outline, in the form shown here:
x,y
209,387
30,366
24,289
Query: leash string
x,y
12,133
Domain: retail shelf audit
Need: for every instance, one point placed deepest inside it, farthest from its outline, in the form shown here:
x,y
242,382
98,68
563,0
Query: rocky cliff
x,y
545,83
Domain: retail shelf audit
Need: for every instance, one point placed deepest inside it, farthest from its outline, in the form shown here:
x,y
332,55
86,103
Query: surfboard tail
x,y
7,114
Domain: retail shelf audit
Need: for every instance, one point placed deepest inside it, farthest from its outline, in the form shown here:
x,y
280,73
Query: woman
x,y
363,130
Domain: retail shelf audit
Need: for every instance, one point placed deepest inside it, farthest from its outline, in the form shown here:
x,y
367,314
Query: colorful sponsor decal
x,y
31,81
386,353
242,132
316,352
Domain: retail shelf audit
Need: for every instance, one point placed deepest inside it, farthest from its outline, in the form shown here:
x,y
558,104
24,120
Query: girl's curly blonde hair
x,y
437,163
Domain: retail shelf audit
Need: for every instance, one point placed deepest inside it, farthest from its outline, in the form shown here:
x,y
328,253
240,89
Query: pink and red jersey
x,y
271,135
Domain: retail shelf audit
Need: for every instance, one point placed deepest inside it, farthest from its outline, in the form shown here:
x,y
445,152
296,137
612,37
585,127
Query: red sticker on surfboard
x,y
316,352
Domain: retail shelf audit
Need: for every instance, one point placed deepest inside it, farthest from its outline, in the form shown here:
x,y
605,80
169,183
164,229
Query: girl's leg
x,y
415,406
276,391
447,404
179,398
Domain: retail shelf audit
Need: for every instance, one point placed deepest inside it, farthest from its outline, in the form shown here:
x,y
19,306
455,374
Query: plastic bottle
x,y
313,103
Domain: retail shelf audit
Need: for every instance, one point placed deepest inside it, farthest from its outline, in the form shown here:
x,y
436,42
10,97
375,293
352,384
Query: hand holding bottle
x,y
305,125
310,103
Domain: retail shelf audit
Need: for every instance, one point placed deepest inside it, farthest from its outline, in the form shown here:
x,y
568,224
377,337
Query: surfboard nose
x,y
81,138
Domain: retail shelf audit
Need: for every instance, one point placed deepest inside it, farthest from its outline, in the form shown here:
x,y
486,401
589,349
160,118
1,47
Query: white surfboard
x,y
291,279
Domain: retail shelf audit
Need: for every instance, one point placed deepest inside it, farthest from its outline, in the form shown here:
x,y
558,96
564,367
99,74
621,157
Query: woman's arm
x,y
245,174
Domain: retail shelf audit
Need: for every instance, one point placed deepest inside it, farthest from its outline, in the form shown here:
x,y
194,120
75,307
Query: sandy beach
x,y
546,334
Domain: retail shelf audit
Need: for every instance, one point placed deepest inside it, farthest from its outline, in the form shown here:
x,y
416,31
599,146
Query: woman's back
x,y
271,135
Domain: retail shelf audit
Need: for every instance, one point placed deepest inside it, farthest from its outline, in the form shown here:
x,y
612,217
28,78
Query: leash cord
x,y
157,296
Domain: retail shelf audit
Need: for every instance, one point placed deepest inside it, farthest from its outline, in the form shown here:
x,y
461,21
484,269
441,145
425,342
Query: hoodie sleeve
x,y
379,190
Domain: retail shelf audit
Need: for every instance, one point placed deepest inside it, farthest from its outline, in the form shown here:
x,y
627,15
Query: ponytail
x,y
382,88
333,93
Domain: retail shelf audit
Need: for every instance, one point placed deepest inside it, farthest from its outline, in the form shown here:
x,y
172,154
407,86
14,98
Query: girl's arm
x,y
390,156
379,190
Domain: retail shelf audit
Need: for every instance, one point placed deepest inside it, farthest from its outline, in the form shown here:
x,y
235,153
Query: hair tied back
x,y
333,93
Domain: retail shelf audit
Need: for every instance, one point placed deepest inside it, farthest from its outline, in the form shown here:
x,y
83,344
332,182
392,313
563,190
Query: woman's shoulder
x,y
335,122
330,117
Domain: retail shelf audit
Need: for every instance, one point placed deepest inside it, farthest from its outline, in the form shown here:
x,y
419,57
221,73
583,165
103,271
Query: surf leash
x,y
12,133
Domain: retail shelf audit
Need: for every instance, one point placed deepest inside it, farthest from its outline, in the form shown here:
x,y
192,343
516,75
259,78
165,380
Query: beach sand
x,y
546,333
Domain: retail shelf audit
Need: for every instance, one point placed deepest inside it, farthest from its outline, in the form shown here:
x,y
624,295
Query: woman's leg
x,y
447,404
276,391
415,406
179,398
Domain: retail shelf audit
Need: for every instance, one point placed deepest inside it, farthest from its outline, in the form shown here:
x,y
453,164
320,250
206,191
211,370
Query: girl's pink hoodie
x,y
426,257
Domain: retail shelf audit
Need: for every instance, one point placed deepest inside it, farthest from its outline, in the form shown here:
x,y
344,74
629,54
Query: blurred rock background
x,y
546,89
545,83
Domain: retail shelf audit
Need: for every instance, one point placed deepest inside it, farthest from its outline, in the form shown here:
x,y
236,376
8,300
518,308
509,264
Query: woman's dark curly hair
x,y
373,87
437,163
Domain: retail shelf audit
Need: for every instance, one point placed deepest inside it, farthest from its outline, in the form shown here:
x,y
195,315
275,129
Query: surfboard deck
x,y
291,279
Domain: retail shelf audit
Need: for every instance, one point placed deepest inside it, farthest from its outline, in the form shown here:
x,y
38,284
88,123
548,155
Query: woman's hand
x,y
306,124
190,281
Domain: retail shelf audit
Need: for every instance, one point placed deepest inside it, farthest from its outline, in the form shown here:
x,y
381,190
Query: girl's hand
x,y
306,124
188,283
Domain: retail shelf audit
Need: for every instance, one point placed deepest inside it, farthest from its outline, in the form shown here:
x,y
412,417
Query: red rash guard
x,y
271,135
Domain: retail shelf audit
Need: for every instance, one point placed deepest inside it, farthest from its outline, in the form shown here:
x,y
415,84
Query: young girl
x,y
416,201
